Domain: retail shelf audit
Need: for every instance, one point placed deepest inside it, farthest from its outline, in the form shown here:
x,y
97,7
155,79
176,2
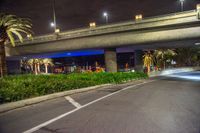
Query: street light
x,y
53,24
198,7
198,11
57,31
92,25
29,36
105,14
138,17
182,4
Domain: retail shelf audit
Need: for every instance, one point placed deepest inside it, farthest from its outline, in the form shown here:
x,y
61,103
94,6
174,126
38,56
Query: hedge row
x,y
14,88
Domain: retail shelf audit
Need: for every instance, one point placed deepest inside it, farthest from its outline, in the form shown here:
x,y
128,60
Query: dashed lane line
x,y
73,102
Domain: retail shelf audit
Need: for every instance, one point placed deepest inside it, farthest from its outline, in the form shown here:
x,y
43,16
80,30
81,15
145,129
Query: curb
x,y
14,105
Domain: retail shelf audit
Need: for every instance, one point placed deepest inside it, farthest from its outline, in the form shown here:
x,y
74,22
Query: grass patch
x,y
19,87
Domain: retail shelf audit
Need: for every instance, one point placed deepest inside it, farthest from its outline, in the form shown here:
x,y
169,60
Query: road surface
x,y
162,105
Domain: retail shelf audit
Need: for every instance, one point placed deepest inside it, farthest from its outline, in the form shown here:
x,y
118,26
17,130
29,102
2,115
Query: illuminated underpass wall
x,y
125,58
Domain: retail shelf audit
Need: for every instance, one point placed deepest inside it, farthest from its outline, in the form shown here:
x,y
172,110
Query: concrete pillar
x,y
198,11
110,59
138,59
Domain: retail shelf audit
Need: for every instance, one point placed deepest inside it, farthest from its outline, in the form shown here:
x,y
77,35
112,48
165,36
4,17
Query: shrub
x,y
18,87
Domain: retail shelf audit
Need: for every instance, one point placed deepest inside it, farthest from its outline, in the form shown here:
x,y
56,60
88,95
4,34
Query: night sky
x,y
78,13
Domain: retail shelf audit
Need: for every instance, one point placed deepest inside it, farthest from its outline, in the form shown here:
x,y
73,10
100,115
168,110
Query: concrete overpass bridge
x,y
160,31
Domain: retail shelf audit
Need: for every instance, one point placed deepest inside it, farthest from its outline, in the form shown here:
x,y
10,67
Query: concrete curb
x,y
14,105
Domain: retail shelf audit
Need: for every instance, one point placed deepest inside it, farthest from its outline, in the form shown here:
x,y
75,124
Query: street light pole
x,y
54,15
182,4
105,14
106,19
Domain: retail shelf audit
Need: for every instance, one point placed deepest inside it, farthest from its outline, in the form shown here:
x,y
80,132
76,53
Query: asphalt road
x,y
163,105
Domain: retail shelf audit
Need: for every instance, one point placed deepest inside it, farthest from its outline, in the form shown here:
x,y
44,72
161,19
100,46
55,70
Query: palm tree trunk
x,y
36,71
3,66
38,67
148,69
46,68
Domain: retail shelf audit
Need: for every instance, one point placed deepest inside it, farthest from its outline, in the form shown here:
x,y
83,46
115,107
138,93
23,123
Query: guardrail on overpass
x,y
157,21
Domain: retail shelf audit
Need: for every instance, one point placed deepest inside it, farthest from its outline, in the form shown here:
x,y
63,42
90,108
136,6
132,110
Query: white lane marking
x,y
70,112
77,105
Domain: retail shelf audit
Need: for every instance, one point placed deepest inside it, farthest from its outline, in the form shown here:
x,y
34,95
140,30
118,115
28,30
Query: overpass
x,y
176,27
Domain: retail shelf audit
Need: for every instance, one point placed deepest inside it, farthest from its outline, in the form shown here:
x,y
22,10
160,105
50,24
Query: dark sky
x,y
78,13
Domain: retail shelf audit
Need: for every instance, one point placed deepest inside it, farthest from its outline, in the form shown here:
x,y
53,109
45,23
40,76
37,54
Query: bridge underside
x,y
151,39
182,30
110,54
128,48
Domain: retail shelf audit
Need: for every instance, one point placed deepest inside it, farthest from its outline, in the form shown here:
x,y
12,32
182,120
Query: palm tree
x,y
148,61
11,27
46,63
31,62
162,55
37,63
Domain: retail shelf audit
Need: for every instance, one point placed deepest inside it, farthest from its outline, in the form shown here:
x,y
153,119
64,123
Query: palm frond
x,y
18,35
12,26
20,30
11,38
7,18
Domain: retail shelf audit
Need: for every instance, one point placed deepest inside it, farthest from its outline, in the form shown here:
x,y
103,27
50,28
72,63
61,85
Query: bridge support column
x,y
110,59
198,11
138,60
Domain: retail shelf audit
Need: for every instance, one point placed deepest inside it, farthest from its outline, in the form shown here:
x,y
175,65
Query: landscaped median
x,y
14,88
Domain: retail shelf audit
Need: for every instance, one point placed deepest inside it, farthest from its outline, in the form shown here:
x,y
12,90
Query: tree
x,y
189,56
46,63
33,63
30,62
37,63
148,61
162,55
11,27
